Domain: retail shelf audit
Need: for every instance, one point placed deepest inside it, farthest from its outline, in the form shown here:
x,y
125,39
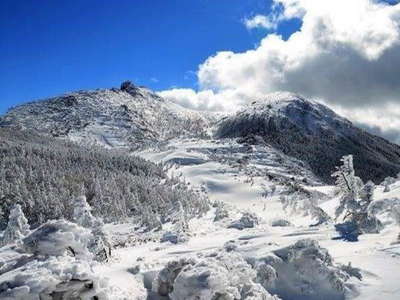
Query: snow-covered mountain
x,y
313,133
227,208
133,118
127,118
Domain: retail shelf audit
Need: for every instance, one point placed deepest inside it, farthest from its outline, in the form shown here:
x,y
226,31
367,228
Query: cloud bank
x,y
346,53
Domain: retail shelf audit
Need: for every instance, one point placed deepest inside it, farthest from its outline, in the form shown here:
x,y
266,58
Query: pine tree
x,y
182,224
349,187
82,216
17,227
355,198
82,213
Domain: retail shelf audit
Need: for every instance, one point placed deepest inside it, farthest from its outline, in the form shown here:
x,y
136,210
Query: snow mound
x,y
58,238
53,263
304,271
219,276
55,278
247,220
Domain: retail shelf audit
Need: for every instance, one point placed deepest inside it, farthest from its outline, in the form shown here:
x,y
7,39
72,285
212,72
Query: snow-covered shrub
x,y
17,227
230,246
266,275
303,271
352,271
390,206
224,276
247,220
348,231
221,211
174,237
302,201
150,220
180,232
280,223
59,238
387,182
59,277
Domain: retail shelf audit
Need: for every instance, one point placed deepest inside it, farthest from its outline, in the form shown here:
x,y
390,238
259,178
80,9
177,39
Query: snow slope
x,y
374,254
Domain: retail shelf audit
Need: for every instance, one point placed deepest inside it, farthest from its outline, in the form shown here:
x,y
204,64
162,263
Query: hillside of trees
x,y
44,175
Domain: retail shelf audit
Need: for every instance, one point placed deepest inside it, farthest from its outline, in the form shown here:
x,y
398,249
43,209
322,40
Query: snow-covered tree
x,y
150,220
367,195
355,199
82,216
221,211
43,174
182,223
17,227
349,186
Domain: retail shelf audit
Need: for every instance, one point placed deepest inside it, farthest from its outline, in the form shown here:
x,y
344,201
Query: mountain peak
x,y
125,118
312,132
280,97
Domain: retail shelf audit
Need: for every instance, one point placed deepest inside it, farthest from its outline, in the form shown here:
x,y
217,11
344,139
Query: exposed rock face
x,y
313,133
129,87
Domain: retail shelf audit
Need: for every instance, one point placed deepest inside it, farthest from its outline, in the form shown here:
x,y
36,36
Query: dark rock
x,y
69,100
349,231
127,85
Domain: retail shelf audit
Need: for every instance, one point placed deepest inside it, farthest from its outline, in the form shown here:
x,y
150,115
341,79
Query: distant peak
x,y
280,97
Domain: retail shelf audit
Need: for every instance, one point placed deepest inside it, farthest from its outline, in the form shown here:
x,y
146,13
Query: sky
x,y
209,54
51,47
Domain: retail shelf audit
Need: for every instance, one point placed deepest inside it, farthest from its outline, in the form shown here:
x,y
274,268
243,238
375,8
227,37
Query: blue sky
x,y
51,47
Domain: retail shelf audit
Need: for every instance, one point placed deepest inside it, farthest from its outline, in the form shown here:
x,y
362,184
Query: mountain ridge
x,y
133,118
127,118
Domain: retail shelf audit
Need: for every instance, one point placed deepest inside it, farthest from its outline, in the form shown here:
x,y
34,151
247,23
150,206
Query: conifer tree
x,y
17,227
82,216
355,198
349,186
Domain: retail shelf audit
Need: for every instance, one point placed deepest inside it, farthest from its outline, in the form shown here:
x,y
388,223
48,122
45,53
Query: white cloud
x,y
260,21
206,100
202,100
347,52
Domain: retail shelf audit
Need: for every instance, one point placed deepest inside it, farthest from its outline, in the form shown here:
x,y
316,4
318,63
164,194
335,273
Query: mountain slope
x,y
126,118
311,132
45,175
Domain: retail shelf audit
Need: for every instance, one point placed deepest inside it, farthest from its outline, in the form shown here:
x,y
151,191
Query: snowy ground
x,y
218,167
246,178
